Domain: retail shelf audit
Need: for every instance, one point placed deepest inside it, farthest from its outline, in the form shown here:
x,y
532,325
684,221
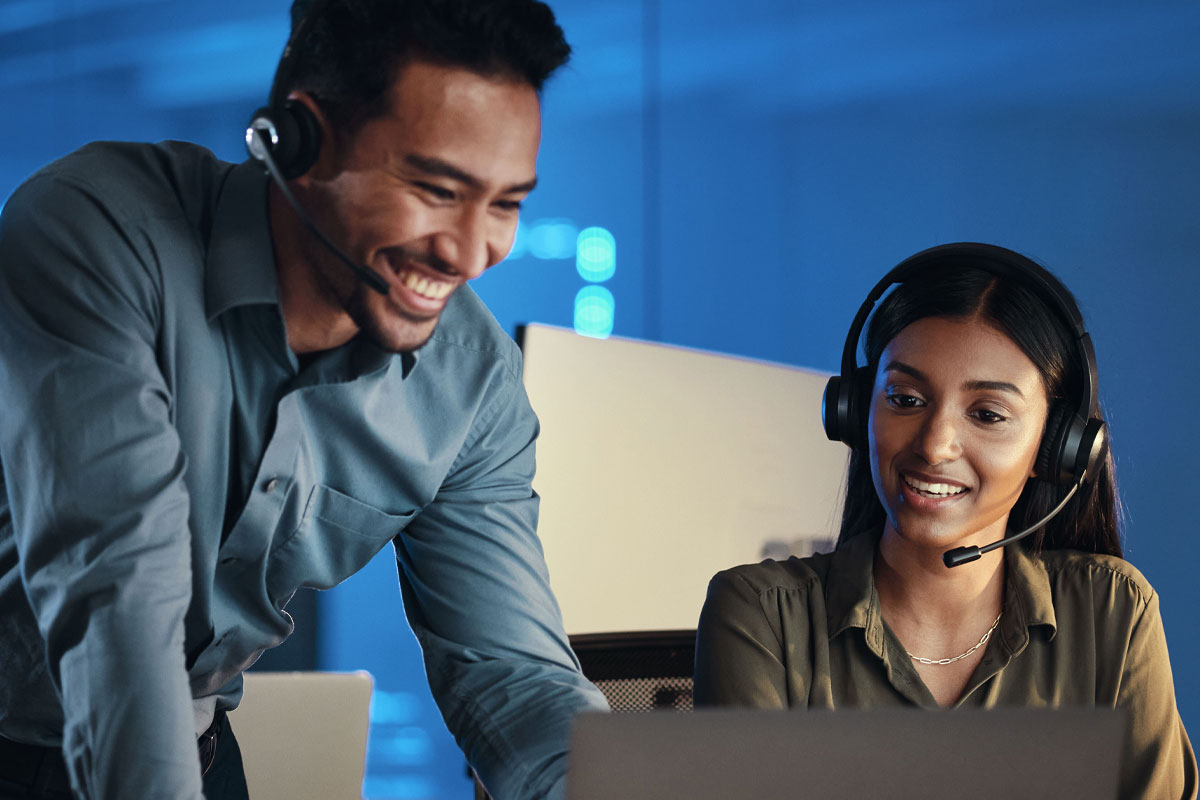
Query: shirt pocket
x,y
337,536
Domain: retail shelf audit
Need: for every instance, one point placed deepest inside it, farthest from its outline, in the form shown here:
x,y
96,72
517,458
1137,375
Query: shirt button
x,y
270,485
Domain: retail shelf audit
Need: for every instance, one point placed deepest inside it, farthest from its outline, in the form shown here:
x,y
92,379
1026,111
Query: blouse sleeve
x,y
1159,761
739,656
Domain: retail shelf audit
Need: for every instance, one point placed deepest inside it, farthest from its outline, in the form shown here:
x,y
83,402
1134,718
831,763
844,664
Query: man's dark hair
x,y
346,53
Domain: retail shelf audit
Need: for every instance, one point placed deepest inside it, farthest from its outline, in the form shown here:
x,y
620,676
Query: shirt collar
x,y
851,600
1027,598
240,268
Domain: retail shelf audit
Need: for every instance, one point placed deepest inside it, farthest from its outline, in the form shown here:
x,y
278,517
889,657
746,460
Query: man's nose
x,y
466,245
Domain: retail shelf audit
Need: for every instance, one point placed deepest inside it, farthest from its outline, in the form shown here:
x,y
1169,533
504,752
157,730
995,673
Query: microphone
x,y
964,555
260,150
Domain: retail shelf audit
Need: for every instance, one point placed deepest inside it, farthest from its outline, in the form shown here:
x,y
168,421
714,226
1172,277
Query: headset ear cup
x,y
299,139
1051,458
1090,450
833,409
844,408
860,409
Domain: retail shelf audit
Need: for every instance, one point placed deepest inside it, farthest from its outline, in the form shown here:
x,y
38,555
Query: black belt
x,y
42,772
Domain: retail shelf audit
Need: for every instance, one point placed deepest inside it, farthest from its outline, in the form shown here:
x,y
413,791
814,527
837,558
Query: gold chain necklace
x,y
944,661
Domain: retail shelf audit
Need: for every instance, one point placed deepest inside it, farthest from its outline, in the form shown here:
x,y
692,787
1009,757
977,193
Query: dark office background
x,y
749,168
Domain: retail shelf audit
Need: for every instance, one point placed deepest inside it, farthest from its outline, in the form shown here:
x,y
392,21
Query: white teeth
x,y
941,489
434,290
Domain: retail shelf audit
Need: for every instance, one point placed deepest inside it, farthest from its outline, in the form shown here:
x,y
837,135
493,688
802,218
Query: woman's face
x,y
956,417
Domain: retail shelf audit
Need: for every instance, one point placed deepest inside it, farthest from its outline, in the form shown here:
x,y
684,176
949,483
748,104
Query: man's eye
x,y
508,205
440,192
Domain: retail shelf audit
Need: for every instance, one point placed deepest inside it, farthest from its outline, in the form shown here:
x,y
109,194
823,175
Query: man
x,y
205,408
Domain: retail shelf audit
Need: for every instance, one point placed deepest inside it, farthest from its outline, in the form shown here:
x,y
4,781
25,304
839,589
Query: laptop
x,y
894,753
304,734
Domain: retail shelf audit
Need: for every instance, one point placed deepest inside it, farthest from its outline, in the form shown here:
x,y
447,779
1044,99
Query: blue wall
x,y
759,164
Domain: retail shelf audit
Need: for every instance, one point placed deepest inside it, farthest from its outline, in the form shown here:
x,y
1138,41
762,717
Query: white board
x,y
659,466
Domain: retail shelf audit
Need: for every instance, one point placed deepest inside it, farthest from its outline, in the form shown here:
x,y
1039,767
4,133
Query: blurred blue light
x,y
553,238
393,707
595,309
398,787
595,254
400,746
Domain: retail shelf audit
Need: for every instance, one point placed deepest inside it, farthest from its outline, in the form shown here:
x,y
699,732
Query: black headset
x,y
1075,439
291,130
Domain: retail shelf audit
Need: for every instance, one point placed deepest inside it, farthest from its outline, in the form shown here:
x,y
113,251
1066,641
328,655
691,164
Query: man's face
x,y
426,194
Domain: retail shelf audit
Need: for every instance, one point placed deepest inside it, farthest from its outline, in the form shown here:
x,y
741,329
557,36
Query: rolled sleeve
x,y
94,468
477,594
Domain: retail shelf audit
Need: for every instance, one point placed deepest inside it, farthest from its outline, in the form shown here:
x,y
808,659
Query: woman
x,y
974,414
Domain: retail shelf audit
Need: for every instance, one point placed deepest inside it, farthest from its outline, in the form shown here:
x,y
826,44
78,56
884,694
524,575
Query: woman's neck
x,y
915,585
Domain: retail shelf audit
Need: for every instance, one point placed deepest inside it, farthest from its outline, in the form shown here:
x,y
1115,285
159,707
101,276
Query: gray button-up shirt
x,y
172,474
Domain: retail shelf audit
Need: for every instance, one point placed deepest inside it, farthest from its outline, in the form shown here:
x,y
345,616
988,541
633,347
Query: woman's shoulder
x,y
1104,575
793,574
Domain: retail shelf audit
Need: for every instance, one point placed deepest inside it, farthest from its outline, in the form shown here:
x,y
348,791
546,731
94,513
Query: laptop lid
x,y
894,753
304,734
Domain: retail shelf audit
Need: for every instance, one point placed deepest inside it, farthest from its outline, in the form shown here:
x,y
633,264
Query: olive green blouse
x,y
1078,630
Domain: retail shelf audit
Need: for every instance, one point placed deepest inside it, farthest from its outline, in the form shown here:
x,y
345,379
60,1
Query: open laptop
x,y
304,734
894,753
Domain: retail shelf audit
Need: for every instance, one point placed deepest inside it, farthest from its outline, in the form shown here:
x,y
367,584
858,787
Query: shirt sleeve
x,y
93,469
739,655
477,594
1159,761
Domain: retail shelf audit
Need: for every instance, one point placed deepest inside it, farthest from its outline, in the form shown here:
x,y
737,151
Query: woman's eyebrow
x,y
995,386
971,386
900,366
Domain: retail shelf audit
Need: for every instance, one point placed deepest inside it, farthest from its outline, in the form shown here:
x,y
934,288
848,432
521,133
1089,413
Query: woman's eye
x,y
989,417
898,400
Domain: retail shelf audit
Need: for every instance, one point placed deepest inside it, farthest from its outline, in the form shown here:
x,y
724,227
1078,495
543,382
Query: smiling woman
x,y
976,412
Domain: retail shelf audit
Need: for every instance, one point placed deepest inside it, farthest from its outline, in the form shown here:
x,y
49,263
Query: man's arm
x,y
93,469
477,594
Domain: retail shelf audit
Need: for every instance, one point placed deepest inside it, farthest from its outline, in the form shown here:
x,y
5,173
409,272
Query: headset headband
x,y
1003,263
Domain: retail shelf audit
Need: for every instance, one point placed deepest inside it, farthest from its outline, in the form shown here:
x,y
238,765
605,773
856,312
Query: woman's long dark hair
x,y
1090,520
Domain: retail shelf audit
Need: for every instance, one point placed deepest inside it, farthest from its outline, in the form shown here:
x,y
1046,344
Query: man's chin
x,y
406,337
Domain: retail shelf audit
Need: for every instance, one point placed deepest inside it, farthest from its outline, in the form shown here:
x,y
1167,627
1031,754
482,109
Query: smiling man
x,y
206,408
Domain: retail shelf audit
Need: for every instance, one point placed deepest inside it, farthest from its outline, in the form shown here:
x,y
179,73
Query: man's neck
x,y
314,320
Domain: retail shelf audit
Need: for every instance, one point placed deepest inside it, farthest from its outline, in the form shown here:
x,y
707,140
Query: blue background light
x,y
595,311
595,254
552,239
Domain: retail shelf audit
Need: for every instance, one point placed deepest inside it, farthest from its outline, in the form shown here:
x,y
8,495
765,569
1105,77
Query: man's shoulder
x,y
131,179
469,331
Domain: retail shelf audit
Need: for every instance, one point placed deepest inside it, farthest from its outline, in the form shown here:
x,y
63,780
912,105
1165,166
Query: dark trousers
x,y
30,772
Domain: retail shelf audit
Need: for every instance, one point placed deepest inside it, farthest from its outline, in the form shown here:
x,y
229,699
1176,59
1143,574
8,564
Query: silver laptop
x,y
901,753
304,734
